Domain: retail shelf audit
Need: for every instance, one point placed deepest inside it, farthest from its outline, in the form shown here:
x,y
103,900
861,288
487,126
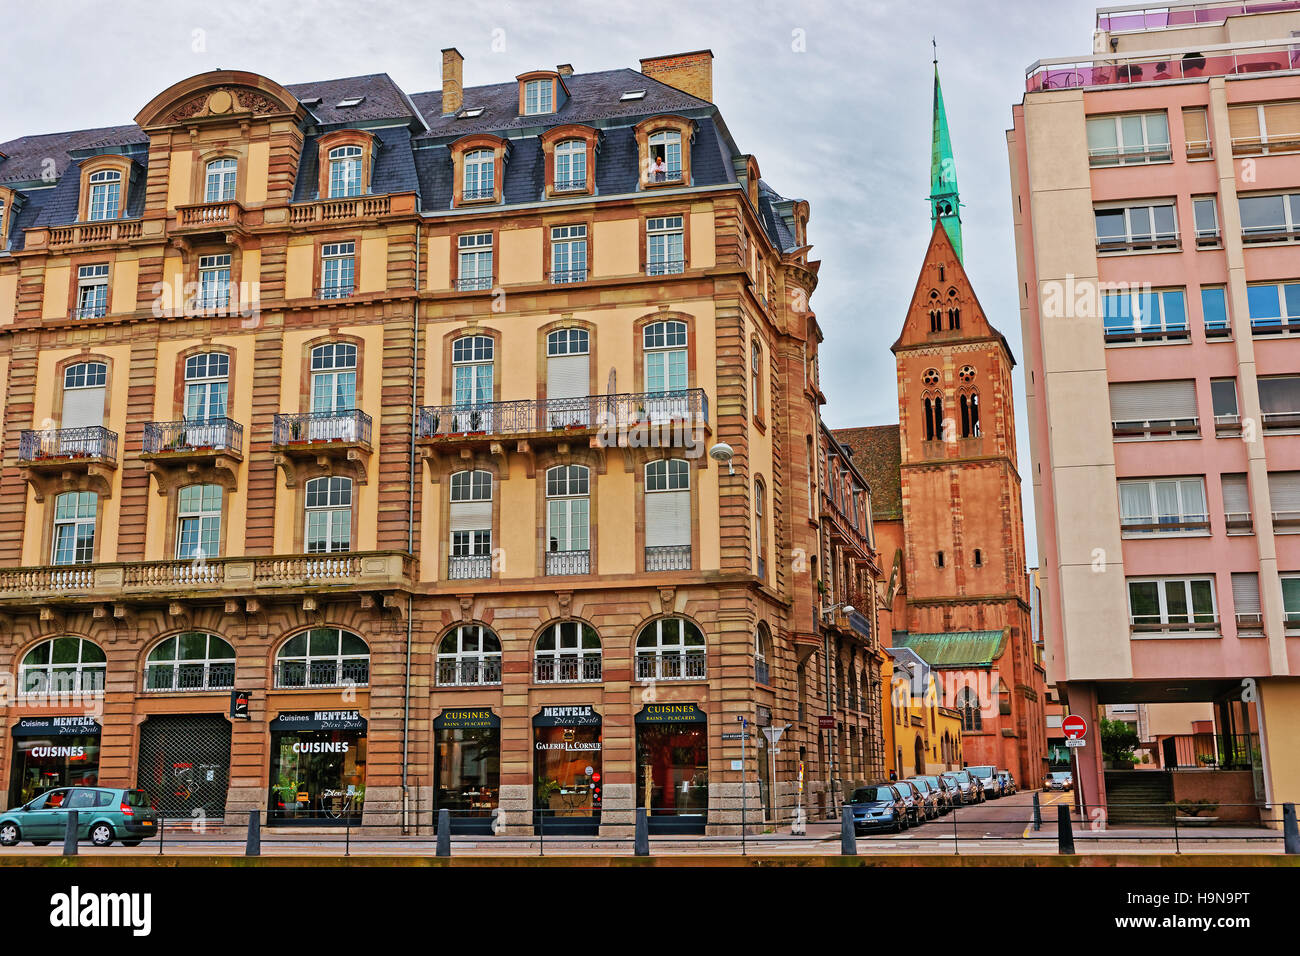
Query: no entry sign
x,y
1074,727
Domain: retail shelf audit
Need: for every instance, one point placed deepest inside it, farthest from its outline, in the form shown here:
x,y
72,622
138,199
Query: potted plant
x,y
1195,812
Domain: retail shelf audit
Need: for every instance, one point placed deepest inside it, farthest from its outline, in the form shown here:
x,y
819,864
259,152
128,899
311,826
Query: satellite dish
x,y
721,452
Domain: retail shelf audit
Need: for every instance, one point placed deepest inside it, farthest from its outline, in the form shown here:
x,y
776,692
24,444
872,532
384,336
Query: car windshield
x,y
962,777
920,784
982,772
872,795
1059,776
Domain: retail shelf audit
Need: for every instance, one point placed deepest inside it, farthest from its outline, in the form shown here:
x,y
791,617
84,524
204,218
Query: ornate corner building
x,y
465,434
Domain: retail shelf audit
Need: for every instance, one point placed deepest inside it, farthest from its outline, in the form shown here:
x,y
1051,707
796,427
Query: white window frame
x,y
1144,150
569,660
670,140
207,386
219,180
474,261
92,291
214,281
334,377
339,658
479,176
1140,329
81,514
1285,322
539,97
568,504
665,245
569,253
473,370
105,199
656,647
329,500
1165,625
481,659
172,666
1287,229
1186,514
345,171
338,269
81,669
1153,240
570,164
204,516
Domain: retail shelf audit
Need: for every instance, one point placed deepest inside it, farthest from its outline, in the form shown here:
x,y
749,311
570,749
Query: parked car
x,y
929,797
943,792
104,814
968,790
987,776
913,800
1059,780
1008,782
878,806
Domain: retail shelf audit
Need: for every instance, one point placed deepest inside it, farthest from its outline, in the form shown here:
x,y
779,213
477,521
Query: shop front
x,y
53,752
318,767
566,769
467,767
184,764
672,767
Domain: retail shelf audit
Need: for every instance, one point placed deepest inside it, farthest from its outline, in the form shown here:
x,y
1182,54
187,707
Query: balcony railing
x,y
473,283
216,434
566,669
1253,235
335,210
466,567
673,557
570,185
1187,524
334,291
1183,14
1148,624
1222,59
1142,243
91,441
1212,752
568,562
665,267
348,425
168,677
92,311
214,214
90,233
529,416
1128,333
1156,428
1280,421
567,276
343,672
672,174
1286,325
1218,330
670,665
468,671
1238,522
473,195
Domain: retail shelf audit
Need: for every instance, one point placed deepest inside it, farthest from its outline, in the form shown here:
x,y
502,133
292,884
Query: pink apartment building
x,y
1156,199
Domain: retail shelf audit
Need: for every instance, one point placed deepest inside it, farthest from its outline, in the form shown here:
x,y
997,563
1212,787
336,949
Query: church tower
x,y
968,609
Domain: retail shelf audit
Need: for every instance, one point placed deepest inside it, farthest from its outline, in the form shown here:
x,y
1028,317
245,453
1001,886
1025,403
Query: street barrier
x,y
1064,830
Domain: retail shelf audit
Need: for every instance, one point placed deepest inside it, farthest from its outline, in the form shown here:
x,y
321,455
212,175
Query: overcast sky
x,y
832,98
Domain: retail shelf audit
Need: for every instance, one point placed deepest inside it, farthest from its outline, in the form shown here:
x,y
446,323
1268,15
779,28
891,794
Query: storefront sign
x,y
826,723
764,715
292,720
239,705
567,715
463,718
671,714
56,727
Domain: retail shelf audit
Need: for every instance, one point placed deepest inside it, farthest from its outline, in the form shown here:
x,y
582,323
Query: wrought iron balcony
x,y
67,444
673,557
92,311
187,437
567,276
348,426
672,174
665,267
568,562
334,291
566,668
466,567
570,185
467,672
344,672
613,413
474,195
473,283
670,665
193,676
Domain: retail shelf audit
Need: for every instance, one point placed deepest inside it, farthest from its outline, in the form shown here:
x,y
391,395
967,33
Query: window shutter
x,y
1284,491
471,516
1243,124
1245,593
1195,127
1282,121
1152,401
82,407
667,518
1236,495
567,377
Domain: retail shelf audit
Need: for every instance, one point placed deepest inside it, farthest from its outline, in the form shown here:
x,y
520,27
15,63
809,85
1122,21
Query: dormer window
x,y
105,195
219,183
345,171
570,165
665,157
539,97
480,167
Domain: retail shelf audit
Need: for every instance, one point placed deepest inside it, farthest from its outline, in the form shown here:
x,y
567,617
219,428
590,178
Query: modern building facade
x,y
950,514
1153,193
390,412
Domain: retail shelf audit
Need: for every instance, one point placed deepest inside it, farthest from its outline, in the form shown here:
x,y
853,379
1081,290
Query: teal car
x,y
104,814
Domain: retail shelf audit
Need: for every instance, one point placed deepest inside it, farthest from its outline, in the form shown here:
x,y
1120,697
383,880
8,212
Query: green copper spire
x,y
945,204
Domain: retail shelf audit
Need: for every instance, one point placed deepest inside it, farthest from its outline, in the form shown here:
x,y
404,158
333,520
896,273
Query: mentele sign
x,y
671,714
567,715
292,720
56,727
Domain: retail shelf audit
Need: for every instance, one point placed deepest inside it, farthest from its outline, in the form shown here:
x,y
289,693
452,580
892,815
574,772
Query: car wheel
x,y
9,834
898,825
101,834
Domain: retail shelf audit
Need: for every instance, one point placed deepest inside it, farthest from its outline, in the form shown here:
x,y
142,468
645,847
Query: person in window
x,y
659,171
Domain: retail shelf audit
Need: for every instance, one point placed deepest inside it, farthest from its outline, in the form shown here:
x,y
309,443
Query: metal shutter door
x,y
82,407
1236,495
667,518
567,377
1245,593
1152,401
471,516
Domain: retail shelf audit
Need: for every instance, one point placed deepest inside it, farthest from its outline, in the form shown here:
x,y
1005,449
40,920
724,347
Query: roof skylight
x,y
632,95
350,101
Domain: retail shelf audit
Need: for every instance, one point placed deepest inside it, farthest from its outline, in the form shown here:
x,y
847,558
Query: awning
x,y
57,727
319,720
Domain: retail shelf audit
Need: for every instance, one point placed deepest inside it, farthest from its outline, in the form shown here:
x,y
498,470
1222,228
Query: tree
x,y
1117,741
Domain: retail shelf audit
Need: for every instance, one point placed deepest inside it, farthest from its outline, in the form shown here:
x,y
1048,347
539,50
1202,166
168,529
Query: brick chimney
x,y
565,69
452,81
689,72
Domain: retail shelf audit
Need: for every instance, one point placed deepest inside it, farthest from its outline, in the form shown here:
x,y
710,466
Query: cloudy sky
x,y
833,99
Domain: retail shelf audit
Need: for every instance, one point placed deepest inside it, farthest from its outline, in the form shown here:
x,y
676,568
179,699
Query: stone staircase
x,y
1150,788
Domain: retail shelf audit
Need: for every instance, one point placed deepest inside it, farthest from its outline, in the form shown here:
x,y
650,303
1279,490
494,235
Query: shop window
x,y
323,657
467,767
567,772
62,665
467,655
50,755
184,765
318,767
672,763
670,649
567,652
193,661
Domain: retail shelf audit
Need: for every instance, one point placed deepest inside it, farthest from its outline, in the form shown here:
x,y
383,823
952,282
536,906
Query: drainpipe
x,y
410,535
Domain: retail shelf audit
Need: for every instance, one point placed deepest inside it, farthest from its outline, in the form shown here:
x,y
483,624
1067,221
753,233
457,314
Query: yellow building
x,y
921,735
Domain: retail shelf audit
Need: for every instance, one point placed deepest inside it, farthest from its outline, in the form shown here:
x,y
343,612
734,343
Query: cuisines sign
x,y
74,752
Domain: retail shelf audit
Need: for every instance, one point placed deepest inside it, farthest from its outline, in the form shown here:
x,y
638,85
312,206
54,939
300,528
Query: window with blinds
x,y
667,504
1284,495
1245,603
1279,402
1196,132
1236,504
1141,410
1261,128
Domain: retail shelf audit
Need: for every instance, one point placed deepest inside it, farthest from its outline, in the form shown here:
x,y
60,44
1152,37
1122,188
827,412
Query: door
x,y
472,394
665,381
46,819
83,407
185,764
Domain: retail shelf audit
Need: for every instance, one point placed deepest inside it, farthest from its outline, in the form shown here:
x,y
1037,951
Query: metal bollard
x,y
641,841
1064,830
1038,813
444,833
848,834
70,834
1290,831
254,845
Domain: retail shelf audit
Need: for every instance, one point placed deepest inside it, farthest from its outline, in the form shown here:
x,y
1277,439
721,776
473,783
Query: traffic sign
x,y
1075,727
1073,742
